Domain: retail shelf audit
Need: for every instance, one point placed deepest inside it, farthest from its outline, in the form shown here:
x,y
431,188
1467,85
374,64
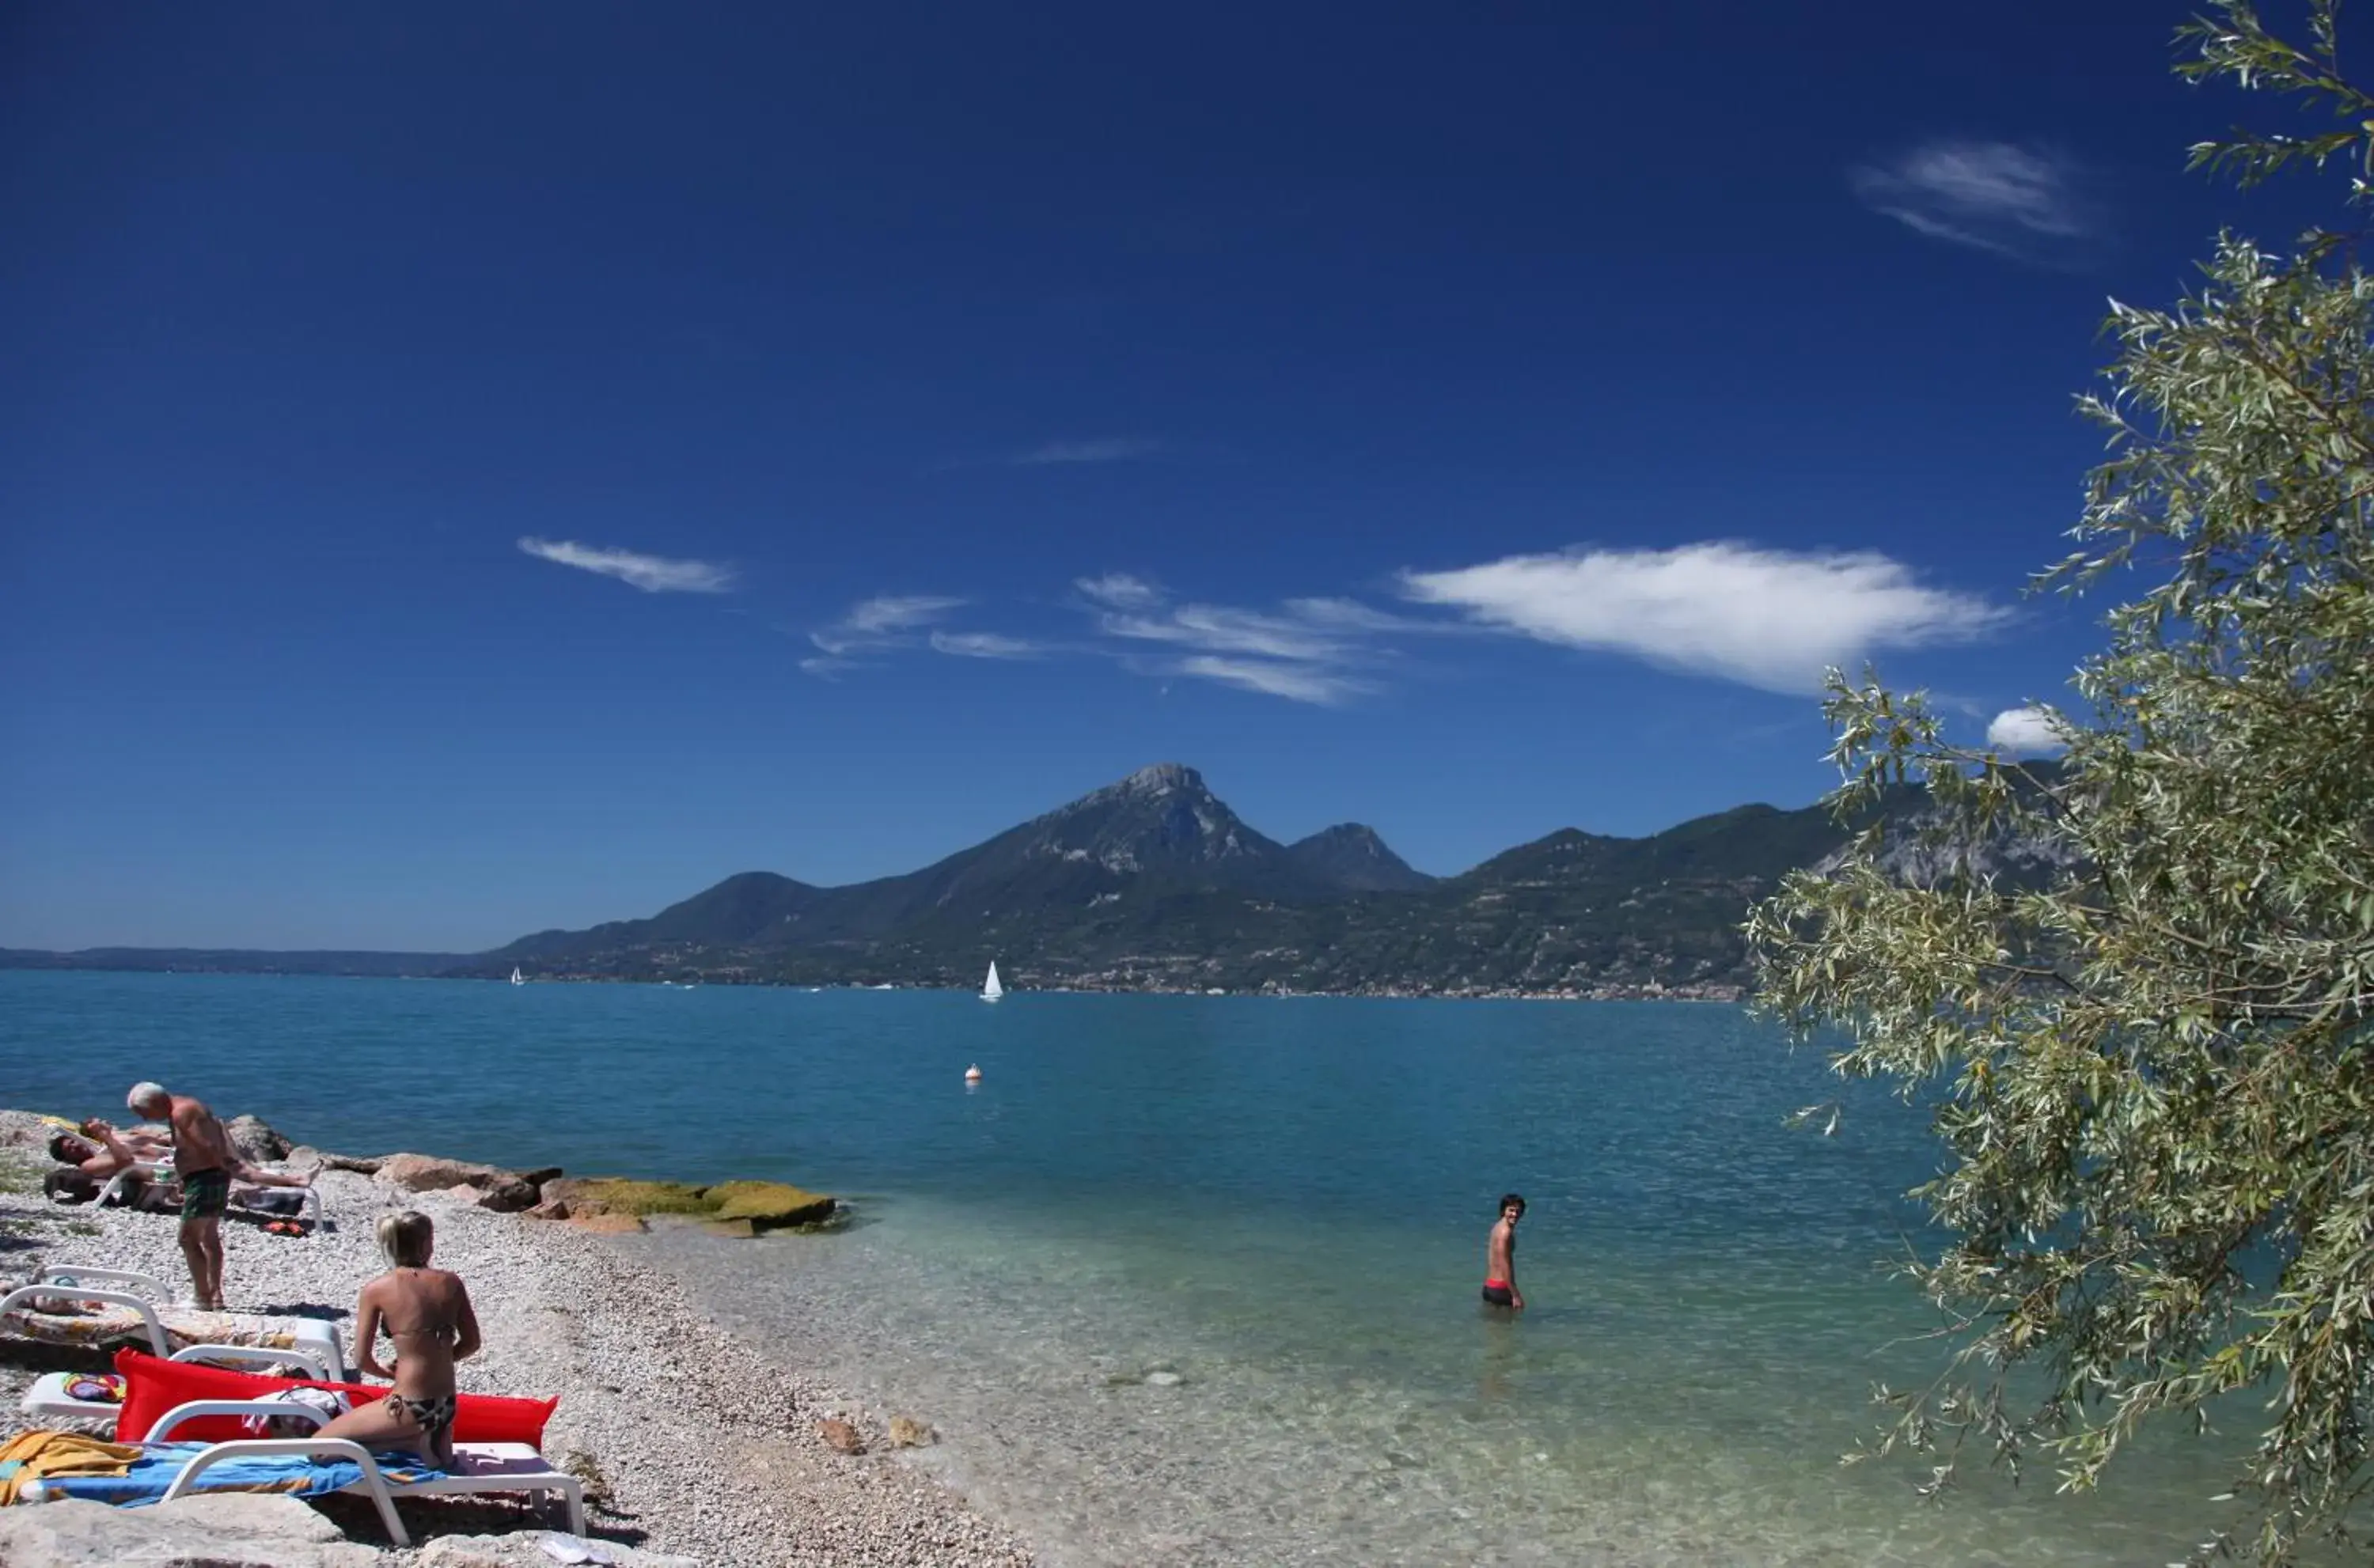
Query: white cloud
x,y
2028,732
888,620
1223,630
653,574
1767,618
894,623
1110,449
1119,590
898,612
1306,651
1990,196
985,645
1293,683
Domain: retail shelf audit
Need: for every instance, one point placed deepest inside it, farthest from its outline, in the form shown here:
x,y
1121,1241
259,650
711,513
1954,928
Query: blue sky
x,y
466,470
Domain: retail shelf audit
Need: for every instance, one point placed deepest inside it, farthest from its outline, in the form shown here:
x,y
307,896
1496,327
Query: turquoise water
x,y
1192,1280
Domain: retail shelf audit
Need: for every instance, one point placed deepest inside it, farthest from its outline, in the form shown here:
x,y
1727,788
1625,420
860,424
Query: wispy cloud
x,y
896,622
1771,619
1109,449
2013,201
1296,684
653,574
2028,732
986,645
889,620
898,612
1119,590
1306,651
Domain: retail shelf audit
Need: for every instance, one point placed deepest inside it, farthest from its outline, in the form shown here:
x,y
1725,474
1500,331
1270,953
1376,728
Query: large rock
x,y
323,1160
255,1141
505,1192
622,1195
524,1551
768,1205
224,1530
23,1129
426,1173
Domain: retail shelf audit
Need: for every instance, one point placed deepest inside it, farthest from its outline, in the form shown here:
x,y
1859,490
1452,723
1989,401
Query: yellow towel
x,y
32,1456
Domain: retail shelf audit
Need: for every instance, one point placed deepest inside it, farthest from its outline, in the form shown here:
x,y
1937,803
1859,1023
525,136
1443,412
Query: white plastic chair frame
x,y
310,1208
74,1282
374,1481
52,1289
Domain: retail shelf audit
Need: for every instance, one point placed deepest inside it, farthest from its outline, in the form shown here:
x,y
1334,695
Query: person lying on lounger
x,y
102,1151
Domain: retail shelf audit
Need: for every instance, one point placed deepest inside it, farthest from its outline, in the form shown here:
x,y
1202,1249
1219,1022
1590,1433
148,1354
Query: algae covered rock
x,y
620,1195
768,1205
731,1208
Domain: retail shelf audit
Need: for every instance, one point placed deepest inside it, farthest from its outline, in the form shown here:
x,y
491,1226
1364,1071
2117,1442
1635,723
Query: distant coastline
x,y
456,967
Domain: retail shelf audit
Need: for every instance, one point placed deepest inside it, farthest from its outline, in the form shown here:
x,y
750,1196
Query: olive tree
x,y
2152,1072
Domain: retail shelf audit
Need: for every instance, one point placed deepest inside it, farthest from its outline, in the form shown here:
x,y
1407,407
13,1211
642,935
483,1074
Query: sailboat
x,y
518,978
990,989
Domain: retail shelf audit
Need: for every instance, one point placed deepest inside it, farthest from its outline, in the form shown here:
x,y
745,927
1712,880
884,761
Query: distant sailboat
x,y
990,989
518,978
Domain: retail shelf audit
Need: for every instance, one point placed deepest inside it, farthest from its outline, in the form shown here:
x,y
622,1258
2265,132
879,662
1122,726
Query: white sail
x,y
518,978
990,989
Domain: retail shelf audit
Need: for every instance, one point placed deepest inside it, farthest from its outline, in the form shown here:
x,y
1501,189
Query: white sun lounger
x,y
314,1346
309,1211
477,1467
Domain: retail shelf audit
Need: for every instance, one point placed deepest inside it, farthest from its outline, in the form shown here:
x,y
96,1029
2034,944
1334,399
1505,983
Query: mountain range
x,y
1154,883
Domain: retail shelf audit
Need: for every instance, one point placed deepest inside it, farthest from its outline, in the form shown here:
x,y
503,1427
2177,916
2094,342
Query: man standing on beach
x,y
203,1159
1501,1256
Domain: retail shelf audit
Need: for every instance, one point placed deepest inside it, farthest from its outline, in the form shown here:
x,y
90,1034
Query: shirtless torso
x,y
200,1144
1500,1262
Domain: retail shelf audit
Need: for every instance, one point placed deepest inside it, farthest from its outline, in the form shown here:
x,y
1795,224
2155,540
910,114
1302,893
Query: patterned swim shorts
x,y
205,1194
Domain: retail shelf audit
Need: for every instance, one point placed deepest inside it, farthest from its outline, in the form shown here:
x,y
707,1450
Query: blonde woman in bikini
x,y
426,1314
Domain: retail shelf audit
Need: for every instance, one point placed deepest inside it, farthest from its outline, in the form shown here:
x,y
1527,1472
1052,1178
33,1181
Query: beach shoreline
x,y
706,1443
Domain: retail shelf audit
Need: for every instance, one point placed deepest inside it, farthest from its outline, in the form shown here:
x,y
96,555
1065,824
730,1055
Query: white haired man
x,y
203,1159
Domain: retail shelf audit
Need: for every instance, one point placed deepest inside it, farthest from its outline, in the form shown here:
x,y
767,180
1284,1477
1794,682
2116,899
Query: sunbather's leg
x,y
256,1175
203,1197
386,1423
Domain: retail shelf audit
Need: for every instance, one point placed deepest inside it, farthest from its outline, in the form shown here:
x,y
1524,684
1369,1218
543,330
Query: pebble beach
x,y
706,1444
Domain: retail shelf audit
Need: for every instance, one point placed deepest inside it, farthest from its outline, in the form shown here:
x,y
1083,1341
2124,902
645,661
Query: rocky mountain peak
x,y
1350,855
1351,837
1159,779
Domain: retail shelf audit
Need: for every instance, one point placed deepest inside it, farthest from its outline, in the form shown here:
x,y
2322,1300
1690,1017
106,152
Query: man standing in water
x,y
203,1159
1501,1256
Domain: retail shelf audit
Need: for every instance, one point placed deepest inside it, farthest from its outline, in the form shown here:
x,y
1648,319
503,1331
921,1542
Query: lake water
x,y
1276,1207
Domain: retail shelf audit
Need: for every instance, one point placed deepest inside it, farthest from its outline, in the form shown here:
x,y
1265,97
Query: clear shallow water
x,y
1283,1203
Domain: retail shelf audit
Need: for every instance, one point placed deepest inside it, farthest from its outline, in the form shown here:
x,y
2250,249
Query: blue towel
x,y
295,1475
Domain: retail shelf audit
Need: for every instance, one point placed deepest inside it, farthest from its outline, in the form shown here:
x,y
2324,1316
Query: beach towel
x,y
156,1464
184,1327
50,1456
